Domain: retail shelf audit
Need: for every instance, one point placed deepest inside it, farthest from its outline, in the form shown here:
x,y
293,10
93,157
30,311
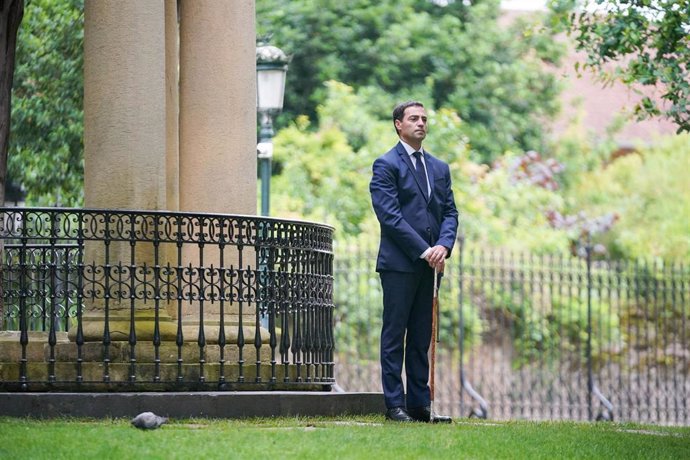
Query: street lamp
x,y
271,67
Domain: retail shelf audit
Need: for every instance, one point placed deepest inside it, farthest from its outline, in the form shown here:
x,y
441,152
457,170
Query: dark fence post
x,y
590,377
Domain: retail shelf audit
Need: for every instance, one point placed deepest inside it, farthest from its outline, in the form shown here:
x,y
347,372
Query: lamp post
x,y
271,67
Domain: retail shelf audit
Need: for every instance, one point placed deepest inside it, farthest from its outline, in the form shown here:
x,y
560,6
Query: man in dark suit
x,y
412,197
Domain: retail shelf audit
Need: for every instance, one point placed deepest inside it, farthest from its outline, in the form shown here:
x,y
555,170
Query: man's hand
x,y
437,257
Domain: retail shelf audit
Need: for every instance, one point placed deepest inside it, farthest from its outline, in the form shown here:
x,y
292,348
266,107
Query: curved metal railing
x,y
120,299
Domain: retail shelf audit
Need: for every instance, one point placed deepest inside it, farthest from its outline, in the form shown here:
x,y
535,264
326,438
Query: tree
x,y
646,39
649,193
321,164
11,13
324,178
456,56
46,153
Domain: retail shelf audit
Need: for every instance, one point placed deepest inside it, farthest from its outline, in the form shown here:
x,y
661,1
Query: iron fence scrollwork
x,y
537,336
152,299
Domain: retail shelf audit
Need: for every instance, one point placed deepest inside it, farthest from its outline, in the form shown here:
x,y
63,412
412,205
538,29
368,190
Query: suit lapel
x,y
406,159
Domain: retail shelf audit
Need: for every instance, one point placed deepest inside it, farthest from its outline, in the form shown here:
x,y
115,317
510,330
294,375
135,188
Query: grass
x,y
369,438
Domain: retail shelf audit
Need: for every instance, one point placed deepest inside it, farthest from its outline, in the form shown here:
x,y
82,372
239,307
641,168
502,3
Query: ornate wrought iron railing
x,y
536,336
145,300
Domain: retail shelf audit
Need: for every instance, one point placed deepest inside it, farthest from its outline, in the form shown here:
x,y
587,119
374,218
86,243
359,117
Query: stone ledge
x,y
245,404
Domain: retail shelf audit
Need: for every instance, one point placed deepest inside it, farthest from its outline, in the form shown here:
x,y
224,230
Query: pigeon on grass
x,y
148,421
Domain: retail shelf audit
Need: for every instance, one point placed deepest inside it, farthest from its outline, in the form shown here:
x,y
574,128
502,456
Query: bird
x,y
148,421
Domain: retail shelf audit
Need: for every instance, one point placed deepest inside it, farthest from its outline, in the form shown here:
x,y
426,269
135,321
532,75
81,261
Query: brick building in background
x,y
592,107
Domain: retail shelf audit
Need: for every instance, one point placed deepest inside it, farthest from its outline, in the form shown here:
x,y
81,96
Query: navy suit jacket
x,y
411,221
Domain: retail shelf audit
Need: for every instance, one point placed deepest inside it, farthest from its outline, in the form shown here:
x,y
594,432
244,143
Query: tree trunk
x,y
11,13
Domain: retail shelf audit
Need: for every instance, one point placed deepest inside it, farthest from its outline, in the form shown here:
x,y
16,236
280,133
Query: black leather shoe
x,y
423,414
398,414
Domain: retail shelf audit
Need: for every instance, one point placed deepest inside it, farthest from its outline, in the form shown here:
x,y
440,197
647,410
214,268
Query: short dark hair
x,y
399,111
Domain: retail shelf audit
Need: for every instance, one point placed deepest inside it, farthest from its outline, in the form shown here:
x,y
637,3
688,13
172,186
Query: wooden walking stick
x,y
434,327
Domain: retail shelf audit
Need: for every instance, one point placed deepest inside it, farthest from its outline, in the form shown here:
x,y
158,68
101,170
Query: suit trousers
x,y
406,335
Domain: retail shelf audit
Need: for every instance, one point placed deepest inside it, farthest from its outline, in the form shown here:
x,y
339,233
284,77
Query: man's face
x,y
413,125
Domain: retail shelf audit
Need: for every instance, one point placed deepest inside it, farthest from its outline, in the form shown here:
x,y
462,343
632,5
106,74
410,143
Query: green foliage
x,y
554,329
455,56
322,177
647,39
501,89
497,210
332,177
569,322
581,152
357,298
647,298
498,207
46,151
650,194
449,324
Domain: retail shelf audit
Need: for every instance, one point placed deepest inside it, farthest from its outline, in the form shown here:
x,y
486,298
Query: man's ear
x,y
397,124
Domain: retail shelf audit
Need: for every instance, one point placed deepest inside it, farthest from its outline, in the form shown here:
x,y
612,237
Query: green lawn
x,y
353,437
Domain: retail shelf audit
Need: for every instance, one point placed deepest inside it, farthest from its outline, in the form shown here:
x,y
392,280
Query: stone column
x,y
217,130
124,104
218,106
172,106
125,136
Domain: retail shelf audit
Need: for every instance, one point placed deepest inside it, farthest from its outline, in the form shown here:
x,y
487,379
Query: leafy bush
x,y
553,328
649,193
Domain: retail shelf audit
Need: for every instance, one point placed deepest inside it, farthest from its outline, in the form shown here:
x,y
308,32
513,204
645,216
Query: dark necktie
x,y
421,171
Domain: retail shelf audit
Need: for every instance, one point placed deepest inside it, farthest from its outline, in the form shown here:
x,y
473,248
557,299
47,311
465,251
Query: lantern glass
x,y
270,87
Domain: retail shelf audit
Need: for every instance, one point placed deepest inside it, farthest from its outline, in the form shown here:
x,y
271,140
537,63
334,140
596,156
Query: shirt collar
x,y
409,149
